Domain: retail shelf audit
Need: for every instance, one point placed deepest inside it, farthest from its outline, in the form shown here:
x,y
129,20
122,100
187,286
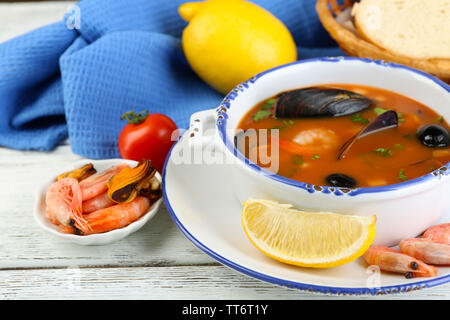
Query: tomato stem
x,y
134,118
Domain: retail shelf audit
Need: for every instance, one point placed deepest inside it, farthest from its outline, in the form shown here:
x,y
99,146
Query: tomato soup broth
x,y
310,146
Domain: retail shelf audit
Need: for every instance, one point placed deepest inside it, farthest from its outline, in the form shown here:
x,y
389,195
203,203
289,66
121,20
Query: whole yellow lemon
x,y
229,41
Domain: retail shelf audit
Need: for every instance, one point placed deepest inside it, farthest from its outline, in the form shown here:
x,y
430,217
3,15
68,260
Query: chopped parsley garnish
x,y
314,157
439,119
268,104
398,146
409,136
288,123
261,115
379,110
401,175
297,159
384,152
357,118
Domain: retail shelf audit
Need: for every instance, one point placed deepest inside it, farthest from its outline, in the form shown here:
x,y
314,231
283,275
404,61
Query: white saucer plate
x,y
203,206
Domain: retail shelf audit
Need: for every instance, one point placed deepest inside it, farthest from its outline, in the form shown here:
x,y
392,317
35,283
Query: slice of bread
x,y
412,28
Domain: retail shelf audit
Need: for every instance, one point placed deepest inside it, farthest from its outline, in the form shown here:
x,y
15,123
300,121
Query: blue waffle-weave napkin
x,y
76,77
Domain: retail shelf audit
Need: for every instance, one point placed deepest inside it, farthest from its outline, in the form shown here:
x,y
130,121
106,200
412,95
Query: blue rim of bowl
x,y
403,288
221,124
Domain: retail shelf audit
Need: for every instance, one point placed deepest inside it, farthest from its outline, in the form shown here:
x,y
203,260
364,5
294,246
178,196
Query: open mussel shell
x,y
384,121
80,173
313,102
126,185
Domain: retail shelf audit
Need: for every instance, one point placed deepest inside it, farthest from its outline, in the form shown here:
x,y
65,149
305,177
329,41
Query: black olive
x,y
434,136
341,180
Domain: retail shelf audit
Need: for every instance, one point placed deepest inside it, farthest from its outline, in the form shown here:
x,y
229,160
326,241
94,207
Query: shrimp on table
x,y
426,250
439,233
99,202
96,185
117,216
311,141
388,259
64,204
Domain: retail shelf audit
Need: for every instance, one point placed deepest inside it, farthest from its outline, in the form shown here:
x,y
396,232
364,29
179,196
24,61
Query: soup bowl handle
x,y
202,131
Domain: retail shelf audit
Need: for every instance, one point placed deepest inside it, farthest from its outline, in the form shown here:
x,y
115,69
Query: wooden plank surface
x,y
176,282
157,262
18,18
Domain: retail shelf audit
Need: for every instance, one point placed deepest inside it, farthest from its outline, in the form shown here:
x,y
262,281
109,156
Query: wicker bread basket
x,y
354,45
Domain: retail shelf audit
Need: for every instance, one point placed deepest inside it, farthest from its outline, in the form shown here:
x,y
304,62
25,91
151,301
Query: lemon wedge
x,y
307,239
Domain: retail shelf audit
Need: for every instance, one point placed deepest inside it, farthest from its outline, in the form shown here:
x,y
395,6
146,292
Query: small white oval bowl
x,y
98,238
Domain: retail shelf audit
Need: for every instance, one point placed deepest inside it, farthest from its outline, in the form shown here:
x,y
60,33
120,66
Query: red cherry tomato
x,y
147,136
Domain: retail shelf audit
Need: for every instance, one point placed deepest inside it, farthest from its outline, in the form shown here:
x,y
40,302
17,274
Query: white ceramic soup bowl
x,y
403,210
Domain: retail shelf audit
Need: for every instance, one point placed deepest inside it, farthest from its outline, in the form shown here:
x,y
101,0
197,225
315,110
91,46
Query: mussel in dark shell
x,y
384,121
312,102
434,136
127,184
80,174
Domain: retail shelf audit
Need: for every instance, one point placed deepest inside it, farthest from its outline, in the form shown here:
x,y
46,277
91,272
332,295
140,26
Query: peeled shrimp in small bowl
x,y
84,207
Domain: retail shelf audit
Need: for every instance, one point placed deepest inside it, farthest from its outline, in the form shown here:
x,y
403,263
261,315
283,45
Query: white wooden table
x,y
157,262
